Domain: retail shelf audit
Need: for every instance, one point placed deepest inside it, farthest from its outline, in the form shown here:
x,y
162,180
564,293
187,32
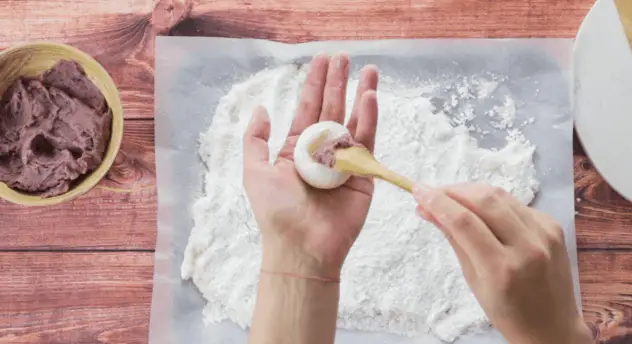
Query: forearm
x,y
297,298
294,311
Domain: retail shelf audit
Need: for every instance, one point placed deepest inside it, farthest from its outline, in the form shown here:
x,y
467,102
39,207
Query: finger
x,y
367,120
335,94
495,207
468,269
311,99
523,211
460,225
368,81
552,233
256,138
287,151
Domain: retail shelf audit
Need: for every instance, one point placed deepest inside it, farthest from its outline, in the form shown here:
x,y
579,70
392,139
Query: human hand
x,y
513,257
304,230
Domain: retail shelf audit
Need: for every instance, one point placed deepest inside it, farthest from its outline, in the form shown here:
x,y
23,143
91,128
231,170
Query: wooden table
x,y
81,272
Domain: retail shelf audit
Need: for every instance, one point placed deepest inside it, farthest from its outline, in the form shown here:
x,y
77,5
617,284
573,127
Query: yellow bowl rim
x,y
116,138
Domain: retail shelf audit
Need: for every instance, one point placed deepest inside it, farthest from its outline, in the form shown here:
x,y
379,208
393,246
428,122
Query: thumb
x,y
419,193
256,137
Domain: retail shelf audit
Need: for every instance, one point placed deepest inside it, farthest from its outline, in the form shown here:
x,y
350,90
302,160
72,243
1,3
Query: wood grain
x,y
120,213
603,217
121,36
606,287
123,214
105,297
75,297
306,20
82,297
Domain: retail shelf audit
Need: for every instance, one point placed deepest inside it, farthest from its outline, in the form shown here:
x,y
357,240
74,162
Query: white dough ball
x,y
312,172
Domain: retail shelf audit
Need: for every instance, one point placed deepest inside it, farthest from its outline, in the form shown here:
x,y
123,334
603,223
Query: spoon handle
x,y
395,179
359,161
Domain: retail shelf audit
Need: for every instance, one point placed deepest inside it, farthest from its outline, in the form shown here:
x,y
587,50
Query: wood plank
x,y
306,20
75,297
120,34
105,297
114,218
34,9
606,287
121,37
116,33
119,213
603,217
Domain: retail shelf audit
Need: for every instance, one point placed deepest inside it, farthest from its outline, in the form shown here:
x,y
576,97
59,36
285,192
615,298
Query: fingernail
x,y
422,212
321,55
368,67
316,60
342,60
420,192
260,111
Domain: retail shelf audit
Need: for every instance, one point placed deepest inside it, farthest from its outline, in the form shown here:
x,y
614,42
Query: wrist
x,y
284,258
294,310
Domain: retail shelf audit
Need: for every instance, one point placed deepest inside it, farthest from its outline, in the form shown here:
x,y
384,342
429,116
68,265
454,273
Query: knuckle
x,y
500,192
555,235
530,261
536,256
507,275
313,82
307,106
491,198
540,255
336,85
331,109
461,219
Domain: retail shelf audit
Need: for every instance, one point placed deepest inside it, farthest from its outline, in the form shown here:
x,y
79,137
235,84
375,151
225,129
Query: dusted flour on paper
x,y
401,275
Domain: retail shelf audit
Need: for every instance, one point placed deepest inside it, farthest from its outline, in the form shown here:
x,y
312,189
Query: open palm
x,y
319,226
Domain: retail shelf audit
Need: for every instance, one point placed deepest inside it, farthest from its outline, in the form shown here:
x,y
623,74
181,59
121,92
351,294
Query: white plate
x,y
603,95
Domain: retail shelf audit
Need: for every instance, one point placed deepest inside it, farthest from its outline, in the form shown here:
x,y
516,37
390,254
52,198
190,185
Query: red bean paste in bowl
x,y
54,129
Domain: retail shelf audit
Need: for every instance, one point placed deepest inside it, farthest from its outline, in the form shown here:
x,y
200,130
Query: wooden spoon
x,y
359,161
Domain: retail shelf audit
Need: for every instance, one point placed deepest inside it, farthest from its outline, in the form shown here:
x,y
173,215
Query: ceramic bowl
x,y
32,59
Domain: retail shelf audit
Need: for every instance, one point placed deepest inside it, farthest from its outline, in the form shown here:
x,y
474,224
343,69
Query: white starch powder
x,y
401,275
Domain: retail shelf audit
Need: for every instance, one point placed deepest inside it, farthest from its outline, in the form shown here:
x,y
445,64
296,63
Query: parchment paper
x,y
192,74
